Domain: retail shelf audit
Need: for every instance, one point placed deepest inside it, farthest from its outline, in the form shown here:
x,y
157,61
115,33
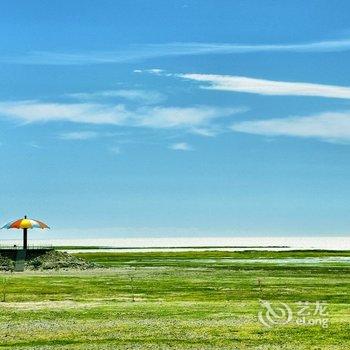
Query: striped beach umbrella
x,y
25,224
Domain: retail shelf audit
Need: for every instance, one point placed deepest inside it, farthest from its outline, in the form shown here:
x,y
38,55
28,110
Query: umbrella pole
x,y
25,239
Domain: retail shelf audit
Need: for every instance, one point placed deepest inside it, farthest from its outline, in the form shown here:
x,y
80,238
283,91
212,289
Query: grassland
x,y
176,300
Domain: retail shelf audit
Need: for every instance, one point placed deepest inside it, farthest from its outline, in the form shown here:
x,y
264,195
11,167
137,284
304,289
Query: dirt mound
x,y
6,264
55,260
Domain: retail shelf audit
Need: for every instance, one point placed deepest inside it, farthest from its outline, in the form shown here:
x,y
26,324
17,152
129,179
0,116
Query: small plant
x,y
4,289
259,285
132,287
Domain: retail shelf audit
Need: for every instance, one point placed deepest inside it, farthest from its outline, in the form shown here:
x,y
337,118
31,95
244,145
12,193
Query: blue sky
x,y
168,118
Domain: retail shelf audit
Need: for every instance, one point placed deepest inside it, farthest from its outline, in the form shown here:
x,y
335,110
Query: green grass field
x,y
176,300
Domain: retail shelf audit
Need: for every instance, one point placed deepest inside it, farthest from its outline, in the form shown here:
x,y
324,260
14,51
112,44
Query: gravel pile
x,y
6,264
55,260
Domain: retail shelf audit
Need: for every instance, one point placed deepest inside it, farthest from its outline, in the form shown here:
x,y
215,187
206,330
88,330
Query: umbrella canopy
x,y
25,223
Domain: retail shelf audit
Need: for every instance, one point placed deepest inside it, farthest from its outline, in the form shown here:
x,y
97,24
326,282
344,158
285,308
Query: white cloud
x,y
268,87
213,131
177,117
143,96
36,111
33,145
195,48
98,113
330,126
115,150
181,146
79,135
141,52
154,71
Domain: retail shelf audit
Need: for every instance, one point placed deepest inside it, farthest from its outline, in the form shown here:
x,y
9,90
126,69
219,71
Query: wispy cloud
x,y
79,135
91,113
152,71
268,87
98,113
195,48
188,117
33,145
181,146
115,150
141,52
143,96
213,131
330,127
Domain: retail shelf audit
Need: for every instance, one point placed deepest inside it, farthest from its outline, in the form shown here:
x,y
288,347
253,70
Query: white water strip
x,y
186,243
